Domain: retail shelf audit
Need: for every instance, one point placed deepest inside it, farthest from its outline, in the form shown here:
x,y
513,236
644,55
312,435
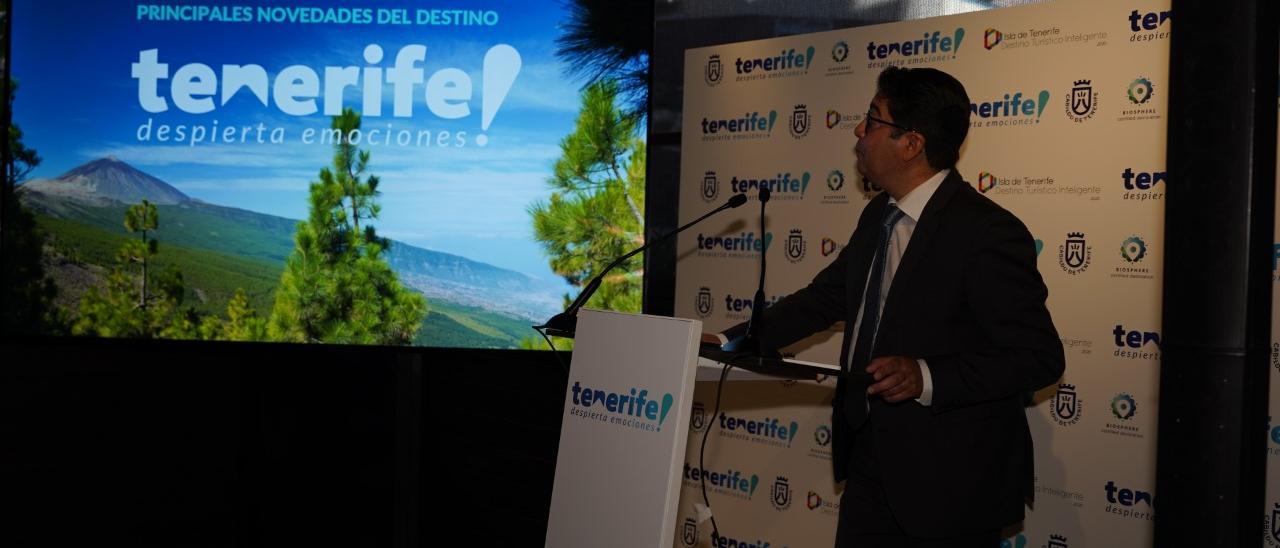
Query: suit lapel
x,y
925,229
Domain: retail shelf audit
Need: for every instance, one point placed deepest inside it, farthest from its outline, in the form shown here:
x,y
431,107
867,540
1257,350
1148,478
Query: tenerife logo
x,y
714,72
1039,247
991,38
689,533
795,246
1057,541
737,308
830,246
1133,249
718,541
1012,110
929,48
786,63
1123,406
752,125
800,122
1082,101
1135,344
836,119
840,51
698,417
1067,406
710,187
744,245
1075,254
730,482
632,410
1141,186
1147,27
986,181
782,185
1129,503
781,494
767,431
1274,434
703,303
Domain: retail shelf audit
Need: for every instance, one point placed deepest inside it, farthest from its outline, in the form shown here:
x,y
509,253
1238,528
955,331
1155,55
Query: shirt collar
x,y
913,203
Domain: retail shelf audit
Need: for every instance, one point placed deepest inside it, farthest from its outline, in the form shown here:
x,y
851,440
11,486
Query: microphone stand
x,y
754,340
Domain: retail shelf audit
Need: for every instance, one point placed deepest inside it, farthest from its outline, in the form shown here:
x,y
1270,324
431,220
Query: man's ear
x,y
913,144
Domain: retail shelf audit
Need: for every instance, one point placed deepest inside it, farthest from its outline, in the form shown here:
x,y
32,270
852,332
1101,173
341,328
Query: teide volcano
x,y
106,180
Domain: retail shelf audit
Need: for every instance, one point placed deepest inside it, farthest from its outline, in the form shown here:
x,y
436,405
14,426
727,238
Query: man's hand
x,y
897,378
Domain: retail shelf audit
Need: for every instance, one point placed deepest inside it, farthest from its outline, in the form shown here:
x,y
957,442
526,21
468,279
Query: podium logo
x,y
788,62
767,431
1067,406
730,482
991,38
1149,26
1075,254
782,185
781,494
631,410
689,534
929,47
703,303
710,188
751,125
1013,109
714,72
795,246
1082,101
800,121
718,541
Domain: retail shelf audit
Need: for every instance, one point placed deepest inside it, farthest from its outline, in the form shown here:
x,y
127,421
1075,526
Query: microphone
x,y
754,339
565,324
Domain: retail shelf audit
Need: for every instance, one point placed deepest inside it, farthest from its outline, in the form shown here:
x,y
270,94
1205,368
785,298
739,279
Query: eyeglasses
x,y
871,119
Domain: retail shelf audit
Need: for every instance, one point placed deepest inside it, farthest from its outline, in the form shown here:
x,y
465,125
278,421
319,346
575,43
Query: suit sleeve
x,y
1007,297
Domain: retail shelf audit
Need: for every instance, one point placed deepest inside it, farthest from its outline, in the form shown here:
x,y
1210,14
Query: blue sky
x,y
78,101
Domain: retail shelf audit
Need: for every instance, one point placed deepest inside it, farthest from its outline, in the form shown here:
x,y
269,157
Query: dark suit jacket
x,y
966,298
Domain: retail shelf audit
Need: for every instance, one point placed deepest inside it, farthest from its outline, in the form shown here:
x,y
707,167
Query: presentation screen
x,y
334,172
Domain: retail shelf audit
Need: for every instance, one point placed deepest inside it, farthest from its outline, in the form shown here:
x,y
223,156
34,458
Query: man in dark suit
x,y
945,332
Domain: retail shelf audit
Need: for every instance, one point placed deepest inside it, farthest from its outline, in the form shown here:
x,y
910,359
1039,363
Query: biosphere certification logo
x,y
1133,251
1012,109
633,409
1082,101
1075,254
835,189
839,59
1123,409
1067,405
1139,106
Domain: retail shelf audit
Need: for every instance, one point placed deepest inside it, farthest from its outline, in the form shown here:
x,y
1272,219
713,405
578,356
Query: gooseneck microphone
x,y
754,339
565,324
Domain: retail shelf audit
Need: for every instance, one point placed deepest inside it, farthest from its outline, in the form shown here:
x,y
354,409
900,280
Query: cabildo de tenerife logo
x,y
1138,101
750,126
1014,109
714,73
633,409
840,65
1075,254
704,304
689,533
1136,344
1129,503
931,47
1082,101
1271,526
296,90
1133,253
734,483
800,121
1149,26
795,245
709,190
1066,405
765,431
780,495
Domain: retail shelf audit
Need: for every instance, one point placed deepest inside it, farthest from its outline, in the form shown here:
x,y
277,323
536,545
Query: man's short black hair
x,y
934,104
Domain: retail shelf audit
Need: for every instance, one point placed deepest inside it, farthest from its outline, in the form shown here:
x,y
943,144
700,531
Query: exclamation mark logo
x,y
501,66
959,38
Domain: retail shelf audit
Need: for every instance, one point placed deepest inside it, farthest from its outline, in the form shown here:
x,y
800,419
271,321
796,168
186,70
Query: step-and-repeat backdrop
x,y
1068,132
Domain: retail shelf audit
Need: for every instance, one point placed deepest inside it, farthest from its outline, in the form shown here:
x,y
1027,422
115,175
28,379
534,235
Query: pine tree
x,y
596,209
336,286
26,292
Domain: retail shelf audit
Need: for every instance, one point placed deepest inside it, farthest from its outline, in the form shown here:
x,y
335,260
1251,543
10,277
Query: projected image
x,y
395,173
